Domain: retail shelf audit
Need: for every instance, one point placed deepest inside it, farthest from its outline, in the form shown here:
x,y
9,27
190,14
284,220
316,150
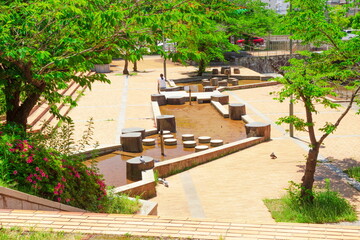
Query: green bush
x,y
325,207
354,172
35,169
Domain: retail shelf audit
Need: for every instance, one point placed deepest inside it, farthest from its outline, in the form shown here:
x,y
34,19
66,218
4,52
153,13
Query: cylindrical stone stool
x,y
170,141
229,80
131,142
223,83
135,166
216,142
201,148
258,129
204,139
166,136
235,82
160,98
189,144
166,122
134,129
206,83
223,99
215,71
236,110
223,69
165,132
148,142
187,137
236,71
227,71
209,88
175,100
214,81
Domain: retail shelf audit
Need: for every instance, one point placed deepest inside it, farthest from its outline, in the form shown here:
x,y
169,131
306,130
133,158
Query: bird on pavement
x,y
273,156
164,182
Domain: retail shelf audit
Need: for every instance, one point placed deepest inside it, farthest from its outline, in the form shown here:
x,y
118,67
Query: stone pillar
x,y
135,166
166,122
134,129
236,110
160,98
258,129
223,99
131,142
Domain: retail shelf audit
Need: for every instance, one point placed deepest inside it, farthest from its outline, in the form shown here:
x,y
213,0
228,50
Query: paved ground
x,y
176,227
234,186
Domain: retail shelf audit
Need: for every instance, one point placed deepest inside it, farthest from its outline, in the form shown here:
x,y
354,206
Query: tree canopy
x,y
312,79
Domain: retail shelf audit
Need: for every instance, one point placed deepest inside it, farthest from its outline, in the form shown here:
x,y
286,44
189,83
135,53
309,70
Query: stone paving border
x,y
118,224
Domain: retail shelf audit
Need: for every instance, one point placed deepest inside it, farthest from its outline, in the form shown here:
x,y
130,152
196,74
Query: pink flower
x,y
12,150
25,150
15,172
67,200
46,160
59,199
37,169
30,159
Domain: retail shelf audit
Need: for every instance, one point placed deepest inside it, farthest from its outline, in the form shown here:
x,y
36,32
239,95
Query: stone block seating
x,y
148,142
135,166
227,72
209,88
236,71
160,98
166,122
223,99
236,110
201,148
189,144
214,81
134,129
258,129
205,83
204,139
235,82
203,100
223,83
131,142
187,137
170,141
175,100
216,142
215,71
222,71
221,109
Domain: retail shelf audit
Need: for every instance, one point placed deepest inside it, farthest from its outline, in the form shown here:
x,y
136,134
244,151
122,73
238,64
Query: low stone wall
x,y
247,86
144,188
12,199
172,166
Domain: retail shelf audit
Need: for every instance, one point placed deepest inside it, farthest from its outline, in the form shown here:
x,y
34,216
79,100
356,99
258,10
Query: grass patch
x,y
18,233
354,172
121,204
130,74
327,207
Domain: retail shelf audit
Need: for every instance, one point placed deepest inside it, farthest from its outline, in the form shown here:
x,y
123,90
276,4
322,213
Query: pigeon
x,y
273,156
164,182
142,160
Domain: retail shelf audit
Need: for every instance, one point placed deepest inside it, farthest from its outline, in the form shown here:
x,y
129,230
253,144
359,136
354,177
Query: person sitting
x,y
161,83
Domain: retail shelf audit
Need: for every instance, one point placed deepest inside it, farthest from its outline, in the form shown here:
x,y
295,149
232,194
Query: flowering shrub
x,y
38,170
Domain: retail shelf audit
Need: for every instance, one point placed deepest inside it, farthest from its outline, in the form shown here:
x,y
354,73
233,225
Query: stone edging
x,y
13,199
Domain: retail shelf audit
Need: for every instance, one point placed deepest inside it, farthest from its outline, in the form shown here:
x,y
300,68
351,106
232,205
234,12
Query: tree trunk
x,y
135,66
126,71
201,67
308,178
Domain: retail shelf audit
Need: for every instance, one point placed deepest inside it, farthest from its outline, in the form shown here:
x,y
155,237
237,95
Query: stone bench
x,y
206,83
214,81
258,129
203,99
236,110
222,70
131,142
160,98
236,71
175,100
166,122
223,99
209,88
215,71
223,83
134,129
221,109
